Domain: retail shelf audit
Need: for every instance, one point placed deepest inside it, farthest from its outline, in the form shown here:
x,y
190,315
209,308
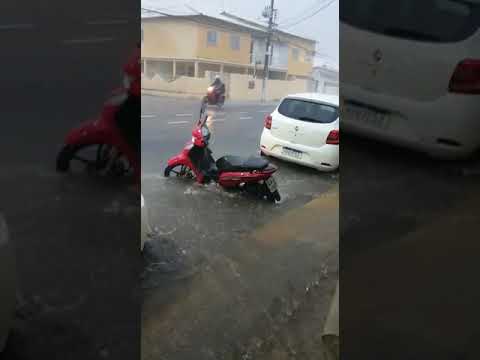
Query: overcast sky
x,y
322,27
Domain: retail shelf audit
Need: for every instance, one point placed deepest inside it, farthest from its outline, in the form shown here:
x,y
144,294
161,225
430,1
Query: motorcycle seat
x,y
238,163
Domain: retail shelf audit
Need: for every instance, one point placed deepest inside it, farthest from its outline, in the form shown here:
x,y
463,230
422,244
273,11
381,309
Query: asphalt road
x,y
388,191
211,289
76,237
400,282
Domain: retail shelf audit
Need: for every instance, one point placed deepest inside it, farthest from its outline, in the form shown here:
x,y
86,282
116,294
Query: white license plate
x,y
271,184
292,153
378,120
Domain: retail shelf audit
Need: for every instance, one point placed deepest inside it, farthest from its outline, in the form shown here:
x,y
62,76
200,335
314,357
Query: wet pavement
x,y
228,276
76,236
409,247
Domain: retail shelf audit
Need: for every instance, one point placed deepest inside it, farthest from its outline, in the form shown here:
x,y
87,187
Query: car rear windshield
x,y
308,111
426,20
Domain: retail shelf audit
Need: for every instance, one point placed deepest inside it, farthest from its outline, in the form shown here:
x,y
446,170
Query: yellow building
x,y
191,45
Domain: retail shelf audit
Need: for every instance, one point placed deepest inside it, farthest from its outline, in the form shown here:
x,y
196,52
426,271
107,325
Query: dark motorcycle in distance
x,y
215,96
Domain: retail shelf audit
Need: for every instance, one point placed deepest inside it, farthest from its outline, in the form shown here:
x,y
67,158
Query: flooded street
x,y
228,276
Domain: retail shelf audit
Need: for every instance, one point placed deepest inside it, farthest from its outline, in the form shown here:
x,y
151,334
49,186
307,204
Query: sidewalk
x,y
267,298
158,93
320,216
410,289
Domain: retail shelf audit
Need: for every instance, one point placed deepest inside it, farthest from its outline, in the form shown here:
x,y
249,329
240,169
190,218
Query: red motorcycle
x,y
99,144
253,174
215,96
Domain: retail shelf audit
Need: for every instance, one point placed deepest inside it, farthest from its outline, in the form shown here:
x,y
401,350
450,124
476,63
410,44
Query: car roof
x,y
318,97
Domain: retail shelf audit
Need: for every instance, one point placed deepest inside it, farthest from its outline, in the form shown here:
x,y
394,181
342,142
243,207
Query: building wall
x,y
223,50
183,85
300,67
184,39
280,53
237,87
276,89
169,39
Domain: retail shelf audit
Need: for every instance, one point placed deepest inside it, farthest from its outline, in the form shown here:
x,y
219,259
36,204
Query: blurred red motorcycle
x,y
99,144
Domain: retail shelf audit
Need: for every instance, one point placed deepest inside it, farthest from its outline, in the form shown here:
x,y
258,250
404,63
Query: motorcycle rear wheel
x,y
274,197
262,192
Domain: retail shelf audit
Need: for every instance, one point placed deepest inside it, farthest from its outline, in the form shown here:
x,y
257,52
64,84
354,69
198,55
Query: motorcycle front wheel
x,y
180,171
91,157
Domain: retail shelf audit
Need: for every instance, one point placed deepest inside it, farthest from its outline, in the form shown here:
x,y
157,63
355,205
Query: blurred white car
x,y
304,129
411,73
7,283
331,331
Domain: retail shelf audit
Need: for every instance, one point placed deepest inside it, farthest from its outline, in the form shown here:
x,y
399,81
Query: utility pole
x,y
270,13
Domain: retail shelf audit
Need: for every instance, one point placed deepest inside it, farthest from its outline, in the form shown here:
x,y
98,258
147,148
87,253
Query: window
x,y
308,111
235,42
212,38
442,20
296,54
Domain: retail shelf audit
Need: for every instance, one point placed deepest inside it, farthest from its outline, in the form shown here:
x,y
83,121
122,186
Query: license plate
x,y
271,184
292,153
368,117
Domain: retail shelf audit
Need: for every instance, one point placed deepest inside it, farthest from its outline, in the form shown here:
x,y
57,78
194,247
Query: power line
x,y
301,14
311,15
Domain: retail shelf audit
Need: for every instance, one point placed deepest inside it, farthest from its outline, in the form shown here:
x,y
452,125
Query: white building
x,y
326,79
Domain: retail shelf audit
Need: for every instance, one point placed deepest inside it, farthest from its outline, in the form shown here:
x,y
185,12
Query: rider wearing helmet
x,y
218,85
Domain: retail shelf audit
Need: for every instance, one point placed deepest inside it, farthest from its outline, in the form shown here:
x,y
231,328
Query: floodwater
x,y
216,288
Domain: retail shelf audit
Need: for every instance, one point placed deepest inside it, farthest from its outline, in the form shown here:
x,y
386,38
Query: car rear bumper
x,y
325,158
448,127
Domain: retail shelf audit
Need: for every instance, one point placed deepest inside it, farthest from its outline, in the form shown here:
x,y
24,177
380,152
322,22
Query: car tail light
x,y
268,122
333,137
466,78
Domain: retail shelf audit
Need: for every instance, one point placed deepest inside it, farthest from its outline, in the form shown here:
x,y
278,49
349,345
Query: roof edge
x,y
261,28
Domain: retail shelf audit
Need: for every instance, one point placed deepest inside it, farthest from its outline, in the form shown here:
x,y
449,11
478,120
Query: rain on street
x,y
223,276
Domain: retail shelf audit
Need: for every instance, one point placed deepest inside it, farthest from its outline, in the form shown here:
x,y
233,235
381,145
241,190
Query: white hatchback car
x,y
7,283
304,129
411,73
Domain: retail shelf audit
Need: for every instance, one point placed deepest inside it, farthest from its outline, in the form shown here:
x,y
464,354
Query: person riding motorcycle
x,y
218,85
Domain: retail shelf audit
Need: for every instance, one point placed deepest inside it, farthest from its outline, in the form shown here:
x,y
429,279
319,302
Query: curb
x,y
321,214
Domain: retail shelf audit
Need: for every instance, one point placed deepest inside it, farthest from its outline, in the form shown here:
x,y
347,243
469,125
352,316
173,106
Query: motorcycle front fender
x,y
90,132
180,159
